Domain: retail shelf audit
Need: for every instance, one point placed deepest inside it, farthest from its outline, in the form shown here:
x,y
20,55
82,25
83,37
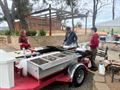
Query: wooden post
x,y
50,21
85,25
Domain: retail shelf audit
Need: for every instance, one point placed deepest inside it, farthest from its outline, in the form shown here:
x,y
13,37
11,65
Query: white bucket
x,y
101,69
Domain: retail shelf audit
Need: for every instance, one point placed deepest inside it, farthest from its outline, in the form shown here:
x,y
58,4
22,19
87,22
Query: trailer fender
x,y
72,68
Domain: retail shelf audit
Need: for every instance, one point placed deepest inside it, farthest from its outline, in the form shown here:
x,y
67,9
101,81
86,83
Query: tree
x,y
19,9
7,14
22,8
97,5
72,4
60,14
79,25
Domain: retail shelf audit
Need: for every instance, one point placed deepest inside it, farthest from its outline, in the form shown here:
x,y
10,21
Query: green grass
x,y
116,30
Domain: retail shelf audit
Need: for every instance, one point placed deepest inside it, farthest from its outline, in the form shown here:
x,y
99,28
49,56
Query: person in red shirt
x,y
23,40
94,42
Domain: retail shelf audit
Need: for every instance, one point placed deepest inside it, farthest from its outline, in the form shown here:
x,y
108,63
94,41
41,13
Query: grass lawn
x,y
116,30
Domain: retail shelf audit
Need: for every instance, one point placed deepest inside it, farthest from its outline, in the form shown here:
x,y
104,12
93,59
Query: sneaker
x,y
93,68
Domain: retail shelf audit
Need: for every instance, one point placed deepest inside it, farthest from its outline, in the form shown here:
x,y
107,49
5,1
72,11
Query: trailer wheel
x,y
79,76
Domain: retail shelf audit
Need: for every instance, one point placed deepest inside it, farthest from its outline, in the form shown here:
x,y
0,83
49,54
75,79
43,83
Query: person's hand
x,y
20,43
64,43
88,44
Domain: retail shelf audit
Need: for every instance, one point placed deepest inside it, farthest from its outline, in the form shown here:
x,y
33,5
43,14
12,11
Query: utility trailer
x,y
47,65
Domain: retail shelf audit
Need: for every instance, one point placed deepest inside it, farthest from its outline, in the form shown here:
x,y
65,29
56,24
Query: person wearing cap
x,y
70,37
94,42
23,40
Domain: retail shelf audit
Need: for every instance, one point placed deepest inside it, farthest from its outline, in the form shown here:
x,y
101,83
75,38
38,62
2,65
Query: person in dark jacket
x,y
94,42
70,37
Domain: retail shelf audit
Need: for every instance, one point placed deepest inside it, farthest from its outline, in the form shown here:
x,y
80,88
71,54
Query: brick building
x,y
37,23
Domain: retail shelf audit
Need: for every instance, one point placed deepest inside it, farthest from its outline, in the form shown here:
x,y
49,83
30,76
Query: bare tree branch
x,y
103,6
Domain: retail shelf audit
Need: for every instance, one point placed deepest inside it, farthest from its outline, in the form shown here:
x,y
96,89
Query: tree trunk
x,y
94,20
94,13
113,10
24,23
72,22
7,14
72,16
21,14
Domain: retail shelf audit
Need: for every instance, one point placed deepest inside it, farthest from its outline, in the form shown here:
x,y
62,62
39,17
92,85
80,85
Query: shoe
x,y
93,68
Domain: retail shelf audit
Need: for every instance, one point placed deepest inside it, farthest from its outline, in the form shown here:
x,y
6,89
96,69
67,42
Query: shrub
x,y
31,33
42,32
17,33
8,32
2,32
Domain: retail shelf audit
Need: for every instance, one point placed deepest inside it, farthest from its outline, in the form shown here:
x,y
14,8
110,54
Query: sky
x,y
104,15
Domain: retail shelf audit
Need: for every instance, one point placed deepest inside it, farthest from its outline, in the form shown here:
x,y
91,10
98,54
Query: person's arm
x,y
23,40
75,37
20,40
26,40
65,38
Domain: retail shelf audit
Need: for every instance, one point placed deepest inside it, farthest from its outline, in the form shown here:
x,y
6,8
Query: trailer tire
x,y
79,76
